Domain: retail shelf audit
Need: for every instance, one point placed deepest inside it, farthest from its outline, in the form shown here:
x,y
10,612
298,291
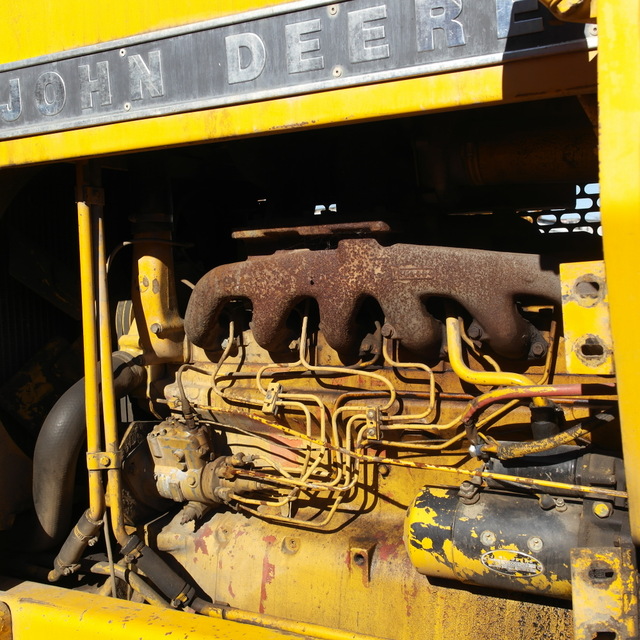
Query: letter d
x,y
237,72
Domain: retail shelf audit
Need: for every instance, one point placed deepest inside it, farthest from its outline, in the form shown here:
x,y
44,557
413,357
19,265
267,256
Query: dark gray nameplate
x,y
293,49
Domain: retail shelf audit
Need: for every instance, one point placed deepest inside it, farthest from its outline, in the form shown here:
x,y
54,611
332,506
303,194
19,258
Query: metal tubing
x,y
114,486
546,391
304,629
491,378
87,291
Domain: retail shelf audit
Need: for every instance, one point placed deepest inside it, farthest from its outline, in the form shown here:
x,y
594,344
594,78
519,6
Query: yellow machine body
x,y
350,337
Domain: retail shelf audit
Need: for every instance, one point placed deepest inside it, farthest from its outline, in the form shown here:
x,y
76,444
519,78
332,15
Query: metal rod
x,y
108,395
92,398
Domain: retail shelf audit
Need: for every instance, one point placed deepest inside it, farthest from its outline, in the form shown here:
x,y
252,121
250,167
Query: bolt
x,y
387,331
535,544
337,72
104,461
488,538
333,10
561,505
602,509
537,349
371,433
192,481
384,470
156,328
474,331
592,30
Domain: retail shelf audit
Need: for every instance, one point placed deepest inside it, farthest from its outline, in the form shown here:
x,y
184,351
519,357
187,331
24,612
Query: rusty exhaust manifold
x,y
400,277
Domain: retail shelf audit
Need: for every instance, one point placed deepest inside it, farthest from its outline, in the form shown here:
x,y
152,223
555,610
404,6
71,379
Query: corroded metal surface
x,y
400,277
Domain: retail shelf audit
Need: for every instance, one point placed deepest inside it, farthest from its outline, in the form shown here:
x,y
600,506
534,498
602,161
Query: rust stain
x,y
399,277
387,551
268,574
200,544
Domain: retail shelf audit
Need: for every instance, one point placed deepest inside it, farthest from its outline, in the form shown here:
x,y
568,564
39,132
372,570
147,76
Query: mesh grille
x,y
583,218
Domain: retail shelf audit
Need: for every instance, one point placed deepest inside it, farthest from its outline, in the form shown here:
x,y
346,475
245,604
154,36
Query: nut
x,y
602,509
535,543
387,331
474,331
561,505
537,349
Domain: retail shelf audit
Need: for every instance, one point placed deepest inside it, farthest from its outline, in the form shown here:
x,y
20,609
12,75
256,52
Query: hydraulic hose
x,y
510,450
57,450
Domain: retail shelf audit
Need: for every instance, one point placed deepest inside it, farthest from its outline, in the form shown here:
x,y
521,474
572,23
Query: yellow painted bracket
x,y
104,460
605,593
585,312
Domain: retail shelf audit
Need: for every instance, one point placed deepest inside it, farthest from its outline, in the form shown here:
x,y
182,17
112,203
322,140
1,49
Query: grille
x,y
584,217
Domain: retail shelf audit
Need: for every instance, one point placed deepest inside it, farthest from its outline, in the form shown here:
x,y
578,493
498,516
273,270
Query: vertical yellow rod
x,y
619,102
106,374
91,393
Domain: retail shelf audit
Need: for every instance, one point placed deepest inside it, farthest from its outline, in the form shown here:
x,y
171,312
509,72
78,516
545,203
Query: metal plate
x,y
287,50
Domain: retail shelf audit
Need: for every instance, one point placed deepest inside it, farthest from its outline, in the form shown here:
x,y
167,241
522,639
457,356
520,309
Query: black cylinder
x,y
502,541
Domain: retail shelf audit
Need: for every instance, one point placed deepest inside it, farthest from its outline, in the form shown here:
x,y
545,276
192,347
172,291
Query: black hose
x,y
57,450
510,450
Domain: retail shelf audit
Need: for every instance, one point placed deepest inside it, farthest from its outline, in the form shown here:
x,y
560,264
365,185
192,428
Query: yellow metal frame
x,y
38,611
619,98
30,29
572,73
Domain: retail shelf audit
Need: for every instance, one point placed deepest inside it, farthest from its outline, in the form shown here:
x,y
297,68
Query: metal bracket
x,y
270,400
604,584
585,313
104,460
373,423
360,558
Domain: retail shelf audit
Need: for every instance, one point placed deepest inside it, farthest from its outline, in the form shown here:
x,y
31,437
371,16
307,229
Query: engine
x,y
398,410
339,420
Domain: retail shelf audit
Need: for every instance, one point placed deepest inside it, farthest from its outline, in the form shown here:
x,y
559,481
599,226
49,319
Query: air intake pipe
x,y
57,450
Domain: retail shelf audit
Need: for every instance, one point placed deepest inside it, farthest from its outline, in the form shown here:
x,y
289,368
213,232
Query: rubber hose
x,y
58,447
510,450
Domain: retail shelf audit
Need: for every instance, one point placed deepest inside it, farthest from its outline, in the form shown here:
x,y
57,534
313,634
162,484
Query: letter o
x,y
50,93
